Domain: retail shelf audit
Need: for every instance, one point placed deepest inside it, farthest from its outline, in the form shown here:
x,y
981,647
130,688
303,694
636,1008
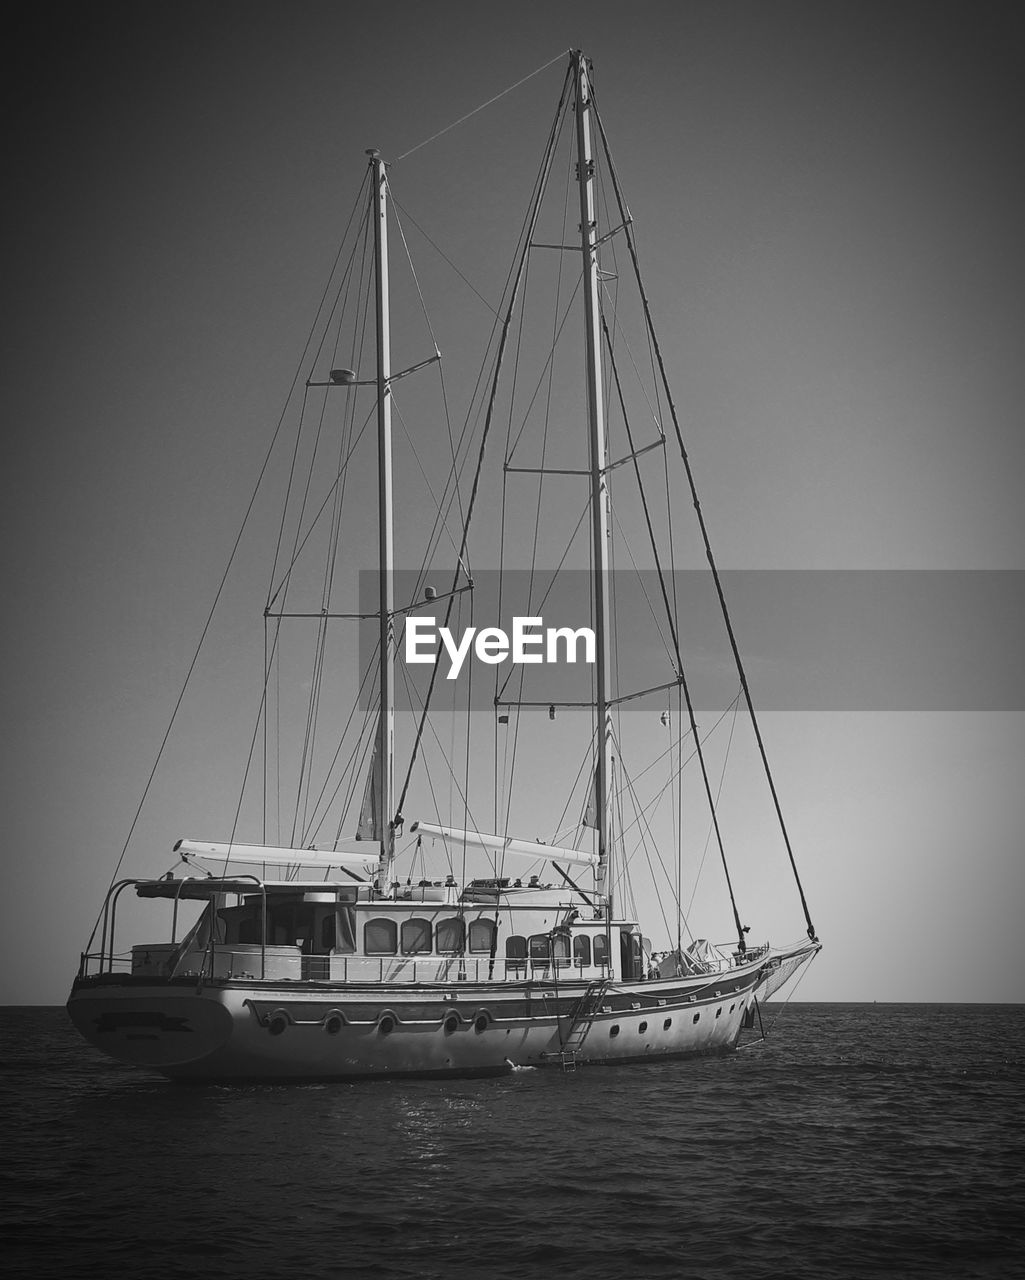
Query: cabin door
x,y
631,956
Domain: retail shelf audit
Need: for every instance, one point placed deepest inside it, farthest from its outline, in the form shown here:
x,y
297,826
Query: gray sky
x,y
829,200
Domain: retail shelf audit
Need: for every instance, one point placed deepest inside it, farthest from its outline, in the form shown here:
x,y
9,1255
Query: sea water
x,y
855,1141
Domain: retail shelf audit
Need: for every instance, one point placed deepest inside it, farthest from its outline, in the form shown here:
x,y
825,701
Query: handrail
x,y
114,888
111,900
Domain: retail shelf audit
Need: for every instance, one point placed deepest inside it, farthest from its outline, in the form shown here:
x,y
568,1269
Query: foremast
x,y
385,745
589,241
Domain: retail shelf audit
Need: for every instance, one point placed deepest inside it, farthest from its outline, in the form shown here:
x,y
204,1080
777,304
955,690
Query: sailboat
x,y
448,945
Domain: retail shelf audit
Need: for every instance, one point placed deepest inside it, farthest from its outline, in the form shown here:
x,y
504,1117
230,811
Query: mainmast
x,y
596,439
384,747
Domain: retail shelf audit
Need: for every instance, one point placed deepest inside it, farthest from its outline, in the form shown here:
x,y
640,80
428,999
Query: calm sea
x,y
857,1141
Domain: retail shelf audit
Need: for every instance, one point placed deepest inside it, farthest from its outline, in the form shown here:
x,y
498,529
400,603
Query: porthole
x,y
277,1023
387,1025
334,1024
451,1023
614,1031
697,1016
480,1023
667,1024
718,1011
643,1027
732,1007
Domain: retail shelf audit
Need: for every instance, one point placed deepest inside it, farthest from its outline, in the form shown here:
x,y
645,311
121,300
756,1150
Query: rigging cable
x,y
462,119
707,542
224,577
803,963
427,723
455,469
642,811
516,276
549,369
337,491
722,779
681,674
439,251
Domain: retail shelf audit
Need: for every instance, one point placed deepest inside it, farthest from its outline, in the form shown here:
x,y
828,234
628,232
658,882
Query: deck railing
x,y
259,961
287,963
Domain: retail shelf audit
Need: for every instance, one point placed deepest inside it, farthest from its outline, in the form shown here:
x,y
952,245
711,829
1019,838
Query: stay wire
x,y
470,114
549,380
455,469
709,556
513,290
441,253
223,581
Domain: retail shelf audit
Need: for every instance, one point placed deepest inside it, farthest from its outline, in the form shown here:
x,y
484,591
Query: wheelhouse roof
x,y
212,886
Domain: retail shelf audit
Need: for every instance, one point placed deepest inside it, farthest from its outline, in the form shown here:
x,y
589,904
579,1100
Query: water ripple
x,y
859,1141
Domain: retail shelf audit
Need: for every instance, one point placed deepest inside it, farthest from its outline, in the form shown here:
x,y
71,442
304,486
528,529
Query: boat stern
x,y
156,1025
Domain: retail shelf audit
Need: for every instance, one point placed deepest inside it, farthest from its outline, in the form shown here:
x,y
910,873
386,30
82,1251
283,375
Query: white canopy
x,y
506,844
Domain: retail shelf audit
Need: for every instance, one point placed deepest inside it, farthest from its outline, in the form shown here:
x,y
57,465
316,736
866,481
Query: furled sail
x,y
506,844
590,815
274,855
369,827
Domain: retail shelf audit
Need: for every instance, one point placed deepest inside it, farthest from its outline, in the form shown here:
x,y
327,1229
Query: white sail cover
x,y
506,844
369,827
274,855
590,814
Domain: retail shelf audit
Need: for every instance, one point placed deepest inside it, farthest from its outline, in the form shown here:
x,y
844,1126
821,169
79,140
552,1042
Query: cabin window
x,y
540,950
249,929
281,926
601,950
560,949
449,936
582,951
482,935
416,937
515,954
327,932
380,938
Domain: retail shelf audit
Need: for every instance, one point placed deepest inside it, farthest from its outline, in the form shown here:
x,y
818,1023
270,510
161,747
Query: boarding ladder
x,y
581,1017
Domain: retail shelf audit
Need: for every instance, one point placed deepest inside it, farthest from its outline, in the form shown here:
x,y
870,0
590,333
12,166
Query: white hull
x,y
233,1030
